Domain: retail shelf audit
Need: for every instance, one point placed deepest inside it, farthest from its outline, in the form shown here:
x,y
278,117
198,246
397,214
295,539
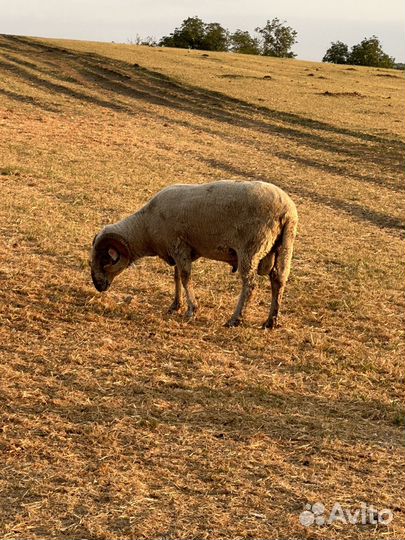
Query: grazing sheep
x,y
249,225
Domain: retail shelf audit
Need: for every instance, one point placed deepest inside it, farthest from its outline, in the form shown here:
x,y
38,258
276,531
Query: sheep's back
x,y
220,214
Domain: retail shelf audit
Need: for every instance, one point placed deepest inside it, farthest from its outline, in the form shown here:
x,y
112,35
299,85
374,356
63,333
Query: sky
x,y
318,22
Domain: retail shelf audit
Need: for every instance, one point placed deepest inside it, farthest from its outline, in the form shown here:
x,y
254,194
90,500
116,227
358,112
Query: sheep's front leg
x,y
248,284
176,305
185,274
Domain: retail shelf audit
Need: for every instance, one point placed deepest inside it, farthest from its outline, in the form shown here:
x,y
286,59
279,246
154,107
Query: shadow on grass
x,y
29,100
137,85
351,208
330,168
133,83
74,405
40,82
237,410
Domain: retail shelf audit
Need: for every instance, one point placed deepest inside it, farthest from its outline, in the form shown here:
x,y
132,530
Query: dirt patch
x,y
240,76
341,94
390,75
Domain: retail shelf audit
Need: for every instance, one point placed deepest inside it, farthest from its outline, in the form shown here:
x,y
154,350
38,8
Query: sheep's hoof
x,y
232,323
270,324
190,314
174,307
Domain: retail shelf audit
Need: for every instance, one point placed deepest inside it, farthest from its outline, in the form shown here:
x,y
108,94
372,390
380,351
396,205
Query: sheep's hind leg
x,y
185,274
280,272
277,289
248,284
176,305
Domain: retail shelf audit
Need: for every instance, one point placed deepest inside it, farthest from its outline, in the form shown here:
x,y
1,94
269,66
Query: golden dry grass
x,y
119,421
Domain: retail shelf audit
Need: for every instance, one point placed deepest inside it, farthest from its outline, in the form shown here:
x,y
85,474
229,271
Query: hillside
x,y
120,421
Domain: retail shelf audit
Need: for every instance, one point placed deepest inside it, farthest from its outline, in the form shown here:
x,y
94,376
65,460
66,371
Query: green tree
x,y
338,53
216,38
276,39
369,53
194,33
242,42
190,35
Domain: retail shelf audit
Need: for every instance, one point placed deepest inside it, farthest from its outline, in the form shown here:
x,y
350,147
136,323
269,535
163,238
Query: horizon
x,y
317,25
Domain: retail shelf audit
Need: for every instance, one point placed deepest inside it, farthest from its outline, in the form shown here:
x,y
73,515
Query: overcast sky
x,y
318,22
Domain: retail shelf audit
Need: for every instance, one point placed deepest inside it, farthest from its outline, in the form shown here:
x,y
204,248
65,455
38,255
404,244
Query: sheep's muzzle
x,y
100,284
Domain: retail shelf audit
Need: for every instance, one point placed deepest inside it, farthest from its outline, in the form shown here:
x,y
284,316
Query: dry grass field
x,y
120,421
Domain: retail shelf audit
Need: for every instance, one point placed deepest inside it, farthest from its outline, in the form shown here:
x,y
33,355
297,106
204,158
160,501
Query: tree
x,y
216,38
242,42
276,39
194,33
338,53
369,53
190,35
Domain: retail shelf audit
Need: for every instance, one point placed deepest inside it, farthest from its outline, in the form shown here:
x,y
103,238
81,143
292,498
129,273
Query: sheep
x,y
250,225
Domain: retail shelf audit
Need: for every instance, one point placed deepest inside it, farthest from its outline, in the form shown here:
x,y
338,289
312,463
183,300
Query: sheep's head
x,y
110,255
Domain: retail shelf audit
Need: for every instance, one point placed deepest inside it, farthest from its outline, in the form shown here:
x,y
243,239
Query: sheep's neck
x,y
135,231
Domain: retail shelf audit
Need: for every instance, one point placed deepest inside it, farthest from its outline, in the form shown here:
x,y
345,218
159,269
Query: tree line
x,y
275,39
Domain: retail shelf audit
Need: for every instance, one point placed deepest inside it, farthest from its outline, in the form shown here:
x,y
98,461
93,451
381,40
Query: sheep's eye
x,y
105,259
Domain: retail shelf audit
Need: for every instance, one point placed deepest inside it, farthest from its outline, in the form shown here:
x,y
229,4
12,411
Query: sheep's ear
x,y
113,253
113,245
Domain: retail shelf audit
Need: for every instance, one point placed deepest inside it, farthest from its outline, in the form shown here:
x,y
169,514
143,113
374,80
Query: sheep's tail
x,y
282,250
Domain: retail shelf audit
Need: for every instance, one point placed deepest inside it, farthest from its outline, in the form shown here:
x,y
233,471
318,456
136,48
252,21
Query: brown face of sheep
x,y
109,257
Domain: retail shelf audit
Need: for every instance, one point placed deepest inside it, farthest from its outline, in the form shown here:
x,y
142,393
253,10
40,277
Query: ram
x,y
249,225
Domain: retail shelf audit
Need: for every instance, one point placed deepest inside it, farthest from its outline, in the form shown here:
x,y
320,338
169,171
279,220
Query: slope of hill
x,y
364,99
122,421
